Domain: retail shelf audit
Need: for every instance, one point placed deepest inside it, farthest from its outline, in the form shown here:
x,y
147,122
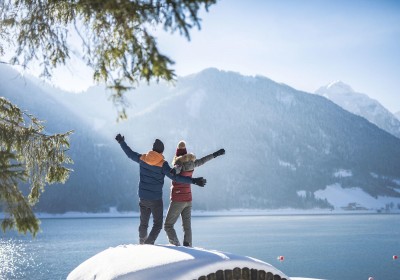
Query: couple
x,y
153,169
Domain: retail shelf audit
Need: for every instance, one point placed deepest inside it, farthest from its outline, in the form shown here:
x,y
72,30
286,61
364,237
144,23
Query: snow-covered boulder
x,y
144,262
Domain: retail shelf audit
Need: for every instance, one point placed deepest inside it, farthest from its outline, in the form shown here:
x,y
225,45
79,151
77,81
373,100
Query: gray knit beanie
x,y
158,146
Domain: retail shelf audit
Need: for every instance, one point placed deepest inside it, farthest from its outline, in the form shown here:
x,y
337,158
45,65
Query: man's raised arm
x,y
128,151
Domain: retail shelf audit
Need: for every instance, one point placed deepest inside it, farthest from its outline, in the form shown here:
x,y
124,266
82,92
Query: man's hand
x,y
173,171
201,182
119,138
220,152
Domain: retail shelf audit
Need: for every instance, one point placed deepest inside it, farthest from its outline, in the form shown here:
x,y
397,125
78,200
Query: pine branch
x,y
27,154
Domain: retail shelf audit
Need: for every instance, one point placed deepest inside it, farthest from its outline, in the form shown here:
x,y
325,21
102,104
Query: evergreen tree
x,y
27,154
115,35
116,43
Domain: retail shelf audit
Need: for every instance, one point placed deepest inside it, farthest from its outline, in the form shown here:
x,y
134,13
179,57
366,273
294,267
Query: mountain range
x,y
283,146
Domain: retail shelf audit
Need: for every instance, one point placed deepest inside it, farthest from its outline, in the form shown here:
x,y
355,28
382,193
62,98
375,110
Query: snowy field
x,y
142,262
340,197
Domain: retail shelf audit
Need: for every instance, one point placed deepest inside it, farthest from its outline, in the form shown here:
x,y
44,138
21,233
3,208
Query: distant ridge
x,y
362,105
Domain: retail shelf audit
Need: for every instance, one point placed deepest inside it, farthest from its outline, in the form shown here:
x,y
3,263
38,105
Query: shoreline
x,y
220,213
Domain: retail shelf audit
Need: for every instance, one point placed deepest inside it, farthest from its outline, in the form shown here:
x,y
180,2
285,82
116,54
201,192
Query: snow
x,y
113,213
340,197
338,87
342,173
202,213
374,175
302,193
396,190
287,164
162,262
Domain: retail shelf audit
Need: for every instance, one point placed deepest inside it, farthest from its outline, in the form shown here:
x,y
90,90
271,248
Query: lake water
x,y
345,247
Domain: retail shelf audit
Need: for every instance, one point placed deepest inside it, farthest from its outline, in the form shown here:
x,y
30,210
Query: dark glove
x,y
220,152
119,138
199,181
173,171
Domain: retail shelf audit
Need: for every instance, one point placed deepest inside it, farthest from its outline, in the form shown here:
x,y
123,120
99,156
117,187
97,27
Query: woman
x,y
181,194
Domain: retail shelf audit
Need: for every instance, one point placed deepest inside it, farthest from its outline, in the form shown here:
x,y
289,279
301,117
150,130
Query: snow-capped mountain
x,y
362,105
284,147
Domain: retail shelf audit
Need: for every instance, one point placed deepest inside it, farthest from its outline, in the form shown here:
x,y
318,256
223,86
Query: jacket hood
x,y
182,159
153,158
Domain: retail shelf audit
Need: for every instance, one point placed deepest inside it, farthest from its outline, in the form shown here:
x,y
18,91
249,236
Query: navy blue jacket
x,y
153,169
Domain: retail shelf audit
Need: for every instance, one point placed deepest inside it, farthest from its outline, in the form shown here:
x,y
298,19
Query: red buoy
x,y
281,258
395,257
371,278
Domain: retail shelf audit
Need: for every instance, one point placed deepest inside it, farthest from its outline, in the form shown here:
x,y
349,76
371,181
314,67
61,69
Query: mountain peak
x,y
336,87
362,105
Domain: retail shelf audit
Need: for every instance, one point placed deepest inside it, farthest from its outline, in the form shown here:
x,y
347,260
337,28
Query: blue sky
x,y
305,44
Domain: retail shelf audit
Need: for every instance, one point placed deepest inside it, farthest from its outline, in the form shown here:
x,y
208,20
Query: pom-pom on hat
x,y
181,149
158,146
181,145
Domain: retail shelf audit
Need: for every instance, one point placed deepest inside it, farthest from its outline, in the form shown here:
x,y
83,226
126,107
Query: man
x,y
153,169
